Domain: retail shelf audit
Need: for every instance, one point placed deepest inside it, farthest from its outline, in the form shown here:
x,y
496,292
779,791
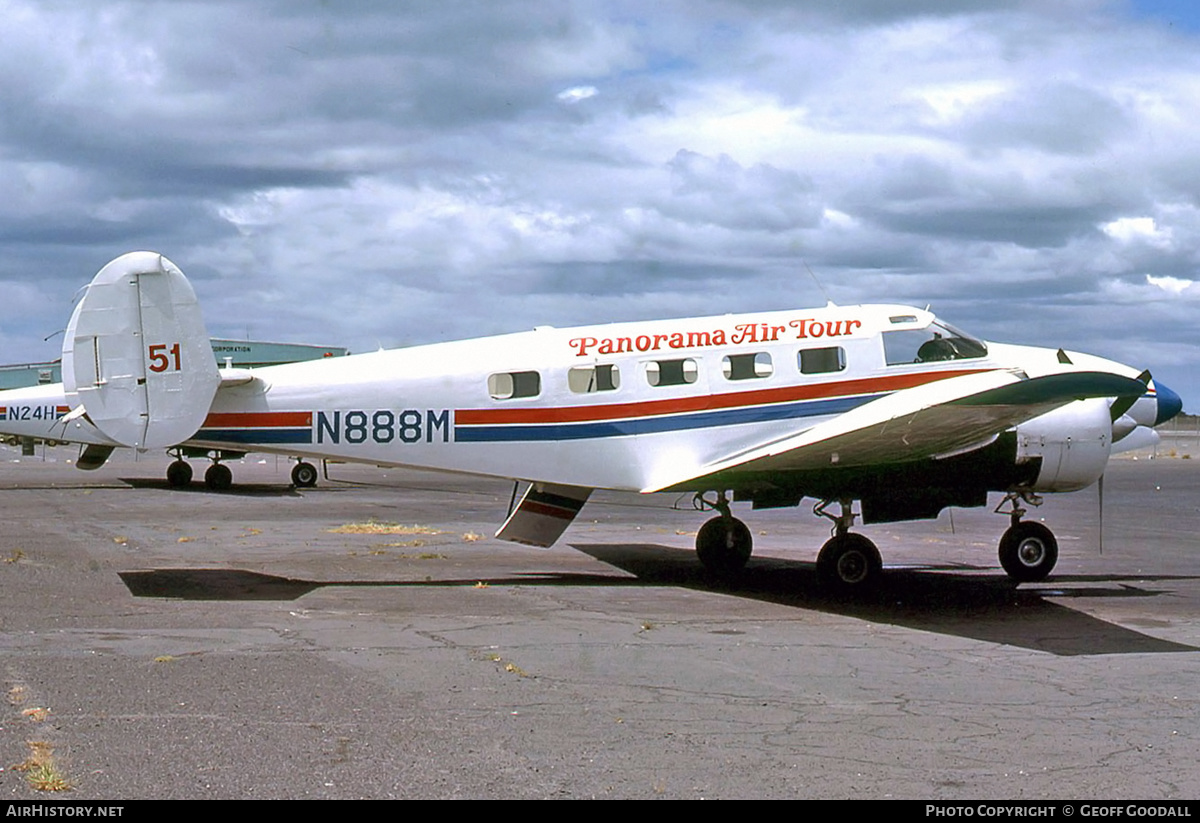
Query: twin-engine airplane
x,y
885,405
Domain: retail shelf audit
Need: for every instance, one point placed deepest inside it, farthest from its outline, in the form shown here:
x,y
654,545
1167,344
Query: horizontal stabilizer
x,y
544,513
93,457
137,357
237,377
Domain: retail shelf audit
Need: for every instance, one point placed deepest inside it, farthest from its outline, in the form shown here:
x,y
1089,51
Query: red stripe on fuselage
x,y
705,402
547,510
257,420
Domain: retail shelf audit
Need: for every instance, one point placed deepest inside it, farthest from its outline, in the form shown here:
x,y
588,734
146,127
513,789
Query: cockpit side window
x,y
935,343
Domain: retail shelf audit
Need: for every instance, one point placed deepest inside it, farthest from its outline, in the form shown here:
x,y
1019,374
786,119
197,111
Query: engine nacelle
x,y
1073,442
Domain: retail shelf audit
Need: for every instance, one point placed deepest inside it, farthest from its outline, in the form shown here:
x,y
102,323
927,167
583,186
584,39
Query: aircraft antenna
x,y
821,288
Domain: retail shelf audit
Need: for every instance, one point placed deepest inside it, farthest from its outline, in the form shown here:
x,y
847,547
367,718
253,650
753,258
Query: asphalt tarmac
x,y
160,643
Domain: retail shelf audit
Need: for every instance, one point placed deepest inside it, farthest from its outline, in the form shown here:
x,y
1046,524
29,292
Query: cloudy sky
x,y
383,173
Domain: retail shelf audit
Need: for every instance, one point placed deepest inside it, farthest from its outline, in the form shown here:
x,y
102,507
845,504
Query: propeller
x,y
1118,409
1124,404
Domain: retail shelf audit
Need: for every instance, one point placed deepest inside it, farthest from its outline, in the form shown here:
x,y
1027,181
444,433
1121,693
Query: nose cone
x,y
1169,403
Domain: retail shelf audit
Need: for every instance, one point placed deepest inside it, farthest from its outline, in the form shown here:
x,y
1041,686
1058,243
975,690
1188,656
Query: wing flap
x,y
947,417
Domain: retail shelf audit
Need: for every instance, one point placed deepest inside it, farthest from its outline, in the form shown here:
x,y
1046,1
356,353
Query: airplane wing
x,y
937,419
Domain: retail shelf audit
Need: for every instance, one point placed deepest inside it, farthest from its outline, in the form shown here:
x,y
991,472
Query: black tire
x,y
219,477
849,562
723,545
179,474
304,475
1028,552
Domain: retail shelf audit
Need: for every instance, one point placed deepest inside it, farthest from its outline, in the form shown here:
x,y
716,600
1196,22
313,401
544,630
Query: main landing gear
x,y
304,475
179,473
724,543
218,477
847,561
1028,551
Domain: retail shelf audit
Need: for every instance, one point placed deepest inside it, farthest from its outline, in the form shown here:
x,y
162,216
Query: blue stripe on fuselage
x,y
655,425
250,436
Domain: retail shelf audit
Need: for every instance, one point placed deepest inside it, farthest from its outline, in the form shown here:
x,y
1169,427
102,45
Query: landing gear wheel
x,y
723,545
219,478
1028,552
179,474
849,562
304,475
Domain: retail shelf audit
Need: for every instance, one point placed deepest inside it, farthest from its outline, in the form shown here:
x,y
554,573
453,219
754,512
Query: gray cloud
x,y
365,173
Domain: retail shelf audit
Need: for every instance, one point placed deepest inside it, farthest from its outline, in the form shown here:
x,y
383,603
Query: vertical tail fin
x,y
137,356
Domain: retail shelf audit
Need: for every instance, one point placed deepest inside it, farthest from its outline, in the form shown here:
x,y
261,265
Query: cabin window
x,y
514,384
822,361
747,366
936,342
671,372
589,379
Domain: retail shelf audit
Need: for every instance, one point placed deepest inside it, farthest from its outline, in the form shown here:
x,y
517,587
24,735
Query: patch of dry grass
x,y
41,770
17,694
377,527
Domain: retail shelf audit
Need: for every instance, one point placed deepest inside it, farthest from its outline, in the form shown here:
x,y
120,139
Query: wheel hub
x,y
1031,552
852,567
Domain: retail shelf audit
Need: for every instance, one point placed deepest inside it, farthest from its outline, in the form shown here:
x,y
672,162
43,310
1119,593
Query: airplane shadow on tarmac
x,y
951,600
198,487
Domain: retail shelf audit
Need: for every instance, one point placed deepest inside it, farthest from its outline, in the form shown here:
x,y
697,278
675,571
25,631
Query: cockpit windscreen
x,y
935,343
